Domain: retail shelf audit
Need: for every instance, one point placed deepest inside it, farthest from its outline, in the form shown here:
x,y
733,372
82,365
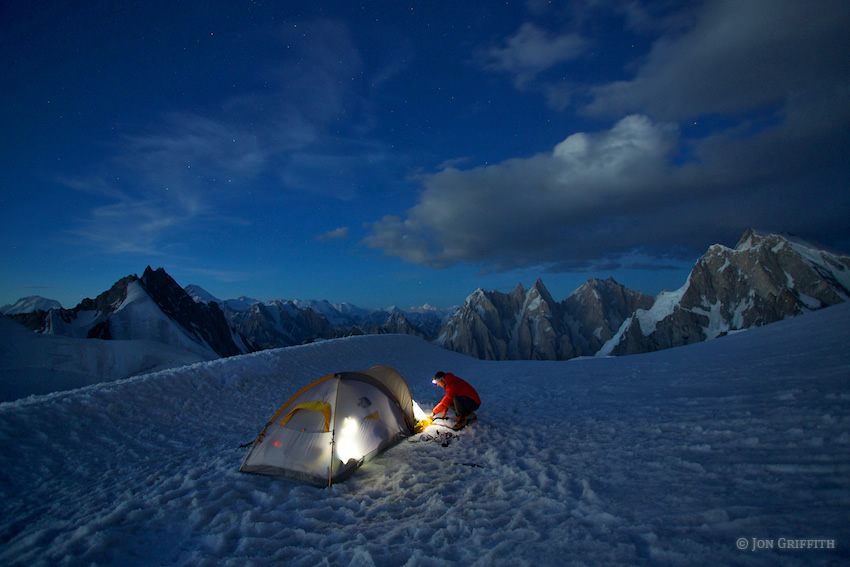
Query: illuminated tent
x,y
334,425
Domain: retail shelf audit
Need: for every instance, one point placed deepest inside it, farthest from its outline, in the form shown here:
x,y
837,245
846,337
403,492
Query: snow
x,y
31,363
480,302
753,240
742,307
30,304
77,326
664,305
608,347
717,324
676,457
139,317
200,295
809,301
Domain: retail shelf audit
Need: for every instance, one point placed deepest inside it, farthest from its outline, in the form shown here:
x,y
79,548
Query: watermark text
x,y
783,543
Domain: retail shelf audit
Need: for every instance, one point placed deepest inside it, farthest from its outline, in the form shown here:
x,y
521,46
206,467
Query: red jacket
x,y
455,387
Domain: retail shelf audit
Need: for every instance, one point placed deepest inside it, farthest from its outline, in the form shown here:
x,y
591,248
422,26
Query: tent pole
x,y
338,377
331,461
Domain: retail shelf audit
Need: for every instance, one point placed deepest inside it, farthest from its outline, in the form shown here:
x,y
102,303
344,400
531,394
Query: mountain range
x,y
530,325
765,278
280,323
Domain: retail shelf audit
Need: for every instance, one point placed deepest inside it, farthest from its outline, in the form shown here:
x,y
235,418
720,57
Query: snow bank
x,y
32,363
700,455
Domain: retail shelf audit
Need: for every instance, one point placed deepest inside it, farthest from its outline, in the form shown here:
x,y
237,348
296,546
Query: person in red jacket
x,y
460,396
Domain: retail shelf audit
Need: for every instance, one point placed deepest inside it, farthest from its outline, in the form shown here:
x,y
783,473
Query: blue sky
x,y
388,153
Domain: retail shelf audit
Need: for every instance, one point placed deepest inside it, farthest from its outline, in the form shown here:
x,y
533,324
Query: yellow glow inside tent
x,y
418,414
348,441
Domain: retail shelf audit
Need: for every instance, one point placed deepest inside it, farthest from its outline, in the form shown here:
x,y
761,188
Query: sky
x,y
389,153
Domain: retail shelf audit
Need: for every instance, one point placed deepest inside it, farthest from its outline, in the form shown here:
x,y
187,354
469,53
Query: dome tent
x,y
333,426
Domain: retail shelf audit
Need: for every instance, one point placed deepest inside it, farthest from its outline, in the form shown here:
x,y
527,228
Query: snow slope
x,y
32,363
717,453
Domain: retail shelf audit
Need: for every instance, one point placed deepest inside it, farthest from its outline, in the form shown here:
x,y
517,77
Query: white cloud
x,y
525,211
611,197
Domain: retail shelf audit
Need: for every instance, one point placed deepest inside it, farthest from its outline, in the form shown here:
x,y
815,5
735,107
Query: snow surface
x,y
33,363
676,457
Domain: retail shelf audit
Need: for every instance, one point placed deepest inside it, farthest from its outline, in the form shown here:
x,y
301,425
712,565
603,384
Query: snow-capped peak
x,y
200,295
30,304
765,278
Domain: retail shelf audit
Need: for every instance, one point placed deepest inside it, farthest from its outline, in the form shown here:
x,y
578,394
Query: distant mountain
x,y
596,310
30,304
277,324
151,308
139,325
281,323
344,314
200,295
765,278
531,325
151,323
426,320
429,320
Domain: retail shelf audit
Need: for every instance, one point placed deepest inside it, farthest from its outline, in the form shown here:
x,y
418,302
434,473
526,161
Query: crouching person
x,y
460,397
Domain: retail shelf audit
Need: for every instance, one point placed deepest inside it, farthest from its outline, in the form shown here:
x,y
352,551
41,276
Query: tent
x,y
334,425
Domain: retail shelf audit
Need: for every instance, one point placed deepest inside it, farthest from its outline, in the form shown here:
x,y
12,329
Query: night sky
x,y
389,153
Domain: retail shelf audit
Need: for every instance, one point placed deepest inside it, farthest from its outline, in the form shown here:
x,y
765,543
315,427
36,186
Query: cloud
x,y
622,197
340,233
187,172
531,51
132,226
162,185
735,57
540,209
770,79
188,147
